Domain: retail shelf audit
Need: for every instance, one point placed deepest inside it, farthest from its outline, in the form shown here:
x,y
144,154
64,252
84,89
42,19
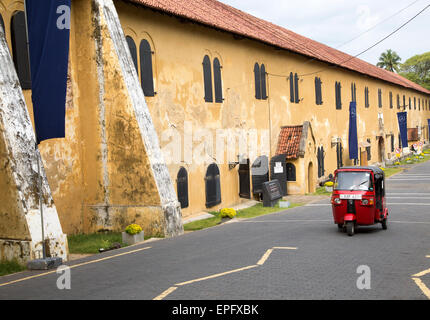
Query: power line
x,y
374,45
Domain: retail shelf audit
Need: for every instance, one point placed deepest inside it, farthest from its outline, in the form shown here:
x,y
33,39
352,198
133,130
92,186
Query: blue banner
x,y
48,24
428,121
403,127
353,140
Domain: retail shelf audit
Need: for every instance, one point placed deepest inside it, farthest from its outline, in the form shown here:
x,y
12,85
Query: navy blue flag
x,y
353,140
403,120
48,24
428,121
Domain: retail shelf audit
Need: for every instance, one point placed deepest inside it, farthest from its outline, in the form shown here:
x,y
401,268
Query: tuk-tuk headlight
x,y
365,202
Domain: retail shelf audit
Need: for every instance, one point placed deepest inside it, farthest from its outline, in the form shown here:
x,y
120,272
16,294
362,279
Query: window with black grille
x,y
318,91
19,49
182,186
260,81
213,186
133,51
338,93
366,97
146,71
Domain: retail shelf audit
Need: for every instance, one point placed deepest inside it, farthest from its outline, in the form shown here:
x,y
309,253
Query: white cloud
x,y
334,22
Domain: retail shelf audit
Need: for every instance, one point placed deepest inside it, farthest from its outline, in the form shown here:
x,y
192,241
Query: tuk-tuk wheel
x,y
350,228
384,224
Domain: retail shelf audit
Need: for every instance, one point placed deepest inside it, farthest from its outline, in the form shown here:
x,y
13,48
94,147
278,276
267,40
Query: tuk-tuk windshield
x,y
349,180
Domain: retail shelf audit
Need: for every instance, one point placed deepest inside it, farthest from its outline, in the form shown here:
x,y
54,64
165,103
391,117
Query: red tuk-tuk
x,y
358,198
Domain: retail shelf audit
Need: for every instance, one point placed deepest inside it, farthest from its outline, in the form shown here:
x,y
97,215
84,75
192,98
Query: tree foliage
x,y
389,60
417,69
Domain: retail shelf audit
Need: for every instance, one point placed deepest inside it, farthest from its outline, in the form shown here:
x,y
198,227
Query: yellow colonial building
x,y
178,107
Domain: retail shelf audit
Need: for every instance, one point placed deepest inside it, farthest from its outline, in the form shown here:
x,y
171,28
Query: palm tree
x,y
389,60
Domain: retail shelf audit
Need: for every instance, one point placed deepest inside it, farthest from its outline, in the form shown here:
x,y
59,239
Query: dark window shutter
x,y
213,186
133,51
404,102
257,76
182,185
263,82
322,162
415,103
291,172
398,102
338,96
319,162
391,100
146,69
410,104
291,87
379,98
339,152
368,149
400,141
392,143
296,88
20,50
217,81
207,77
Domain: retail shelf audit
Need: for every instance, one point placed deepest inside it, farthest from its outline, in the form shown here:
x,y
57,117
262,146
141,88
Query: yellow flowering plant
x,y
328,184
133,229
228,212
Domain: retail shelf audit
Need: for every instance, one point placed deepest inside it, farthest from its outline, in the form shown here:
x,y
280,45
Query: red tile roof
x,y
221,16
289,141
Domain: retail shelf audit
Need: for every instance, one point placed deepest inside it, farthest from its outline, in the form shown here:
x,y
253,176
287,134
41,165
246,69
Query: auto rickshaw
x,y
358,198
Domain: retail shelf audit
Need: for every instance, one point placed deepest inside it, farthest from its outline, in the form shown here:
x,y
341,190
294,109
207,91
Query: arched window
x,y
20,50
213,186
217,81
207,77
146,73
182,186
291,172
257,76
133,51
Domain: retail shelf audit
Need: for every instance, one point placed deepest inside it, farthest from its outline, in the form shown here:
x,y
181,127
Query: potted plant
x,y
408,160
227,214
133,234
329,186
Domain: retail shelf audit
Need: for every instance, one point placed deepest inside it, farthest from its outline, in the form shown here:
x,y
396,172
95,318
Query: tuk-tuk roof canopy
x,y
371,168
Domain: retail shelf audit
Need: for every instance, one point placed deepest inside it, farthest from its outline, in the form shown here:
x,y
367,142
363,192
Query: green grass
x,y
320,191
9,267
252,212
91,243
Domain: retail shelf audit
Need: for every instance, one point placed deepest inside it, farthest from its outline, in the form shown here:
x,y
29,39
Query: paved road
x,y
309,258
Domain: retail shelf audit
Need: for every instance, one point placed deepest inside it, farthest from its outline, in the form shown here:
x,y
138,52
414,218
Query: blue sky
x,y
334,22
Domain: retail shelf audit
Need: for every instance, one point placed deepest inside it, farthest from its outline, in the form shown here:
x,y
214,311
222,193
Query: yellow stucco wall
x,y
179,47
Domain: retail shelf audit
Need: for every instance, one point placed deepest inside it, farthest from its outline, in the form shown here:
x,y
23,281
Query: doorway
x,y
311,186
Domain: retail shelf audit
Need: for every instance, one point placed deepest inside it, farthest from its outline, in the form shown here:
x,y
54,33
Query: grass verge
x,y
91,243
9,267
252,212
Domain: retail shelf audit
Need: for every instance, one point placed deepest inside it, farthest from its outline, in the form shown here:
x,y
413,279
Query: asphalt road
x,y
296,254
